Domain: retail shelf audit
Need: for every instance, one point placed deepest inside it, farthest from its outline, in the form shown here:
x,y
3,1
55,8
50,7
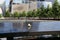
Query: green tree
x,y
43,11
55,9
38,12
30,14
20,14
59,12
23,14
7,14
34,13
49,12
0,15
16,14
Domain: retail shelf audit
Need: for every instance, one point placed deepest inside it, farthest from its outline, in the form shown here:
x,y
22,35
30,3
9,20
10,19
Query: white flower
x,y
29,26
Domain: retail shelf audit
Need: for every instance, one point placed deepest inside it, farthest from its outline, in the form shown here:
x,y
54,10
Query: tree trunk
x,y
10,5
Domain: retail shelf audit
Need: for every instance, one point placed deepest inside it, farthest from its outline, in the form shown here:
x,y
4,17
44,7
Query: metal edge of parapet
x,y
16,34
27,20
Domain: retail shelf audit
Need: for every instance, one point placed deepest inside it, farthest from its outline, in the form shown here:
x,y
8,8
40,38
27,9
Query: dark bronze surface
x,y
17,34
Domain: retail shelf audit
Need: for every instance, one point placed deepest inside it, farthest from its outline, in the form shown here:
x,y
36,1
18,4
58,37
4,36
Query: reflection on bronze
x,y
1,24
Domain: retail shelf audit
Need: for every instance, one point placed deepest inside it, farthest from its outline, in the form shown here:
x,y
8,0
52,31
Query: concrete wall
x,y
33,5
19,7
24,7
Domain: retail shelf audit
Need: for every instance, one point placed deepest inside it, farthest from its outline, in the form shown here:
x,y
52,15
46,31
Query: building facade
x,y
27,5
24,5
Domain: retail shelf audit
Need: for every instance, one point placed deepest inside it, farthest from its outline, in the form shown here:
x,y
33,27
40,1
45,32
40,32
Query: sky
x,y
1,1
7,1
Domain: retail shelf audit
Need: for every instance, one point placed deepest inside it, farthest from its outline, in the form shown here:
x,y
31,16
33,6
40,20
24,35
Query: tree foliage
x,y
7,14
55,8
16,14
41,12
23,14
0,15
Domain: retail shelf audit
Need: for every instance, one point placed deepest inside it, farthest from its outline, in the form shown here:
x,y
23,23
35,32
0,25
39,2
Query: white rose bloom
x,y
29,26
